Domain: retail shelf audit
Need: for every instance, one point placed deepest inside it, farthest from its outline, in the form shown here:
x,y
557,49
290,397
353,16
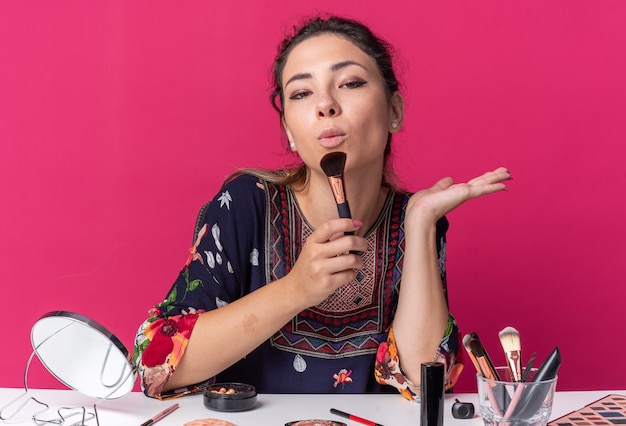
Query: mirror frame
x,y
117,347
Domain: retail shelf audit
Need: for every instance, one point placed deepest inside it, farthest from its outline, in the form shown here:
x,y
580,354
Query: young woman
x,y
278,291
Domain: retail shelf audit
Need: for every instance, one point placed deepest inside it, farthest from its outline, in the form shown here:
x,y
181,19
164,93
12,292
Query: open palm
x,y
433,203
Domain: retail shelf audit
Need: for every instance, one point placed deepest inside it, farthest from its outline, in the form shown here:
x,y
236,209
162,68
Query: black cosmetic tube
x,y
431,394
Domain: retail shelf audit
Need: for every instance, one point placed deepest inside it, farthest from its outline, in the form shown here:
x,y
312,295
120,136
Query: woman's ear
x,y
292,144
396,112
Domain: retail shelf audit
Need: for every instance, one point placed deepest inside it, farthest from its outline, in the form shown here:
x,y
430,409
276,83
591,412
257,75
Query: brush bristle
x,y
476,347
333,163
510,340
466,341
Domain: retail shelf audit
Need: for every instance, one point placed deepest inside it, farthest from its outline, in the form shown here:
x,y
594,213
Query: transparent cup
x,y
505,402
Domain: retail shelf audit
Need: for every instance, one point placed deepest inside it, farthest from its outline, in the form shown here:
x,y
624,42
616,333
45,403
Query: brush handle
x,y
529,367
344,210
344,213
497,393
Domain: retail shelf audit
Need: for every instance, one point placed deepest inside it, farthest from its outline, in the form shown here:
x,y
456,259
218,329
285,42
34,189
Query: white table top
x,y
275,410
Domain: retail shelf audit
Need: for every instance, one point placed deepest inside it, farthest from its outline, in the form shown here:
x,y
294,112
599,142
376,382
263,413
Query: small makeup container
x,y
230,397
462,410
431,394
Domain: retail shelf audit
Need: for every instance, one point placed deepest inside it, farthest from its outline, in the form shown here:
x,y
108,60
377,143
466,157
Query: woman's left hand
x,y
429,205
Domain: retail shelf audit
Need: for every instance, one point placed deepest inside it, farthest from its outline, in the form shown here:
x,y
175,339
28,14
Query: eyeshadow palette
x,y
610,410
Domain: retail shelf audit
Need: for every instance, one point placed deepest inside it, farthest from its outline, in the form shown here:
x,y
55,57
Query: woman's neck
x,y
365,194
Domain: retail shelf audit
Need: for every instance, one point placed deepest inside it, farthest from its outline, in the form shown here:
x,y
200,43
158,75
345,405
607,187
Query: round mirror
x,y
83,355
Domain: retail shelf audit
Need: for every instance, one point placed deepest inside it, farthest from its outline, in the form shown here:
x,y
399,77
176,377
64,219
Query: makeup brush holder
x,y
509,403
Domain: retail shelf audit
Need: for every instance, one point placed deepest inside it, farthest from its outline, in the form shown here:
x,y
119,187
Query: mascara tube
x,y
431,394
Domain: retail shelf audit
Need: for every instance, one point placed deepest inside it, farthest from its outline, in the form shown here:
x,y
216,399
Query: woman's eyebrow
x,y
300,76
343,64
333,68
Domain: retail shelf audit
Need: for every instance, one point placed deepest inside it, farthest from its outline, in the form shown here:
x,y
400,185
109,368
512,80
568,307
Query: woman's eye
x,y
353,84
300,94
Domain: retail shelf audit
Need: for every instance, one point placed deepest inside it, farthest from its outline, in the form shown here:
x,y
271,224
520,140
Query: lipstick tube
x,y
431,394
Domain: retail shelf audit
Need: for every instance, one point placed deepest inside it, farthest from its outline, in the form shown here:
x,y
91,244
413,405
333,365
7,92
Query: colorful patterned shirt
x,y
252,234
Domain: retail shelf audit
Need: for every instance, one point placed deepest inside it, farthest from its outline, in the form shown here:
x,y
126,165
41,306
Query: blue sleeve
x,y
223,265
225,262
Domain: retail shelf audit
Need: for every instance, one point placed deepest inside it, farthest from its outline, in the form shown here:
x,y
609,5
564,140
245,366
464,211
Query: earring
x,y
292,146
394,125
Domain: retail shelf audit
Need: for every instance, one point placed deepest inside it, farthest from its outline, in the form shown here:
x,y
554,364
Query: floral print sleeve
x,y
388,370
214,275
160,343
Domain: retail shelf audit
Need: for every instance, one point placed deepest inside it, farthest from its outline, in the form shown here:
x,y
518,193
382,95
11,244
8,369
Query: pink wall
x,y
118,121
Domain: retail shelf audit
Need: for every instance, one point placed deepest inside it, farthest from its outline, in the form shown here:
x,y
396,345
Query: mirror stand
x,y
63,413
84,356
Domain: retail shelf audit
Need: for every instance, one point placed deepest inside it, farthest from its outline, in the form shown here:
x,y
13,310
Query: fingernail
x,y
357,223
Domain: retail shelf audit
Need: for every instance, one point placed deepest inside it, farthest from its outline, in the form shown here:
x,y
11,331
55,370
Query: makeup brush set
x,y
513,392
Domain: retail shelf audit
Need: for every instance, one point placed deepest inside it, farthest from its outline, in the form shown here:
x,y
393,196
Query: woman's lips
x,y
331,138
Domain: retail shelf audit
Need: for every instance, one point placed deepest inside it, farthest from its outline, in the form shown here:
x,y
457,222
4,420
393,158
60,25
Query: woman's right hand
x,y
325,262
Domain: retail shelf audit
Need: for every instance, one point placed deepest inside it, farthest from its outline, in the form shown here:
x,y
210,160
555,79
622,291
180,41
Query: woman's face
x,y
335,100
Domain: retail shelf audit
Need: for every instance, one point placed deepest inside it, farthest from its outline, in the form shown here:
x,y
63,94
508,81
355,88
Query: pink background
x,y
118,120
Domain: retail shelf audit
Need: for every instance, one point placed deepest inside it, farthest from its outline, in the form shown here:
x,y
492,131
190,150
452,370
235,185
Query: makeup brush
x,y
497,394
333,164
482,359
550,366
510,340
529,367
487,358
466,343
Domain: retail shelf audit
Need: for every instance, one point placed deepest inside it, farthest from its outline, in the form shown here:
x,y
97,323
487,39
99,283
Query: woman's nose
x,y
327,106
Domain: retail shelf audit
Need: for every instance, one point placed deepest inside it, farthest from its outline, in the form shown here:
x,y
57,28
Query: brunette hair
x,y
355,32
